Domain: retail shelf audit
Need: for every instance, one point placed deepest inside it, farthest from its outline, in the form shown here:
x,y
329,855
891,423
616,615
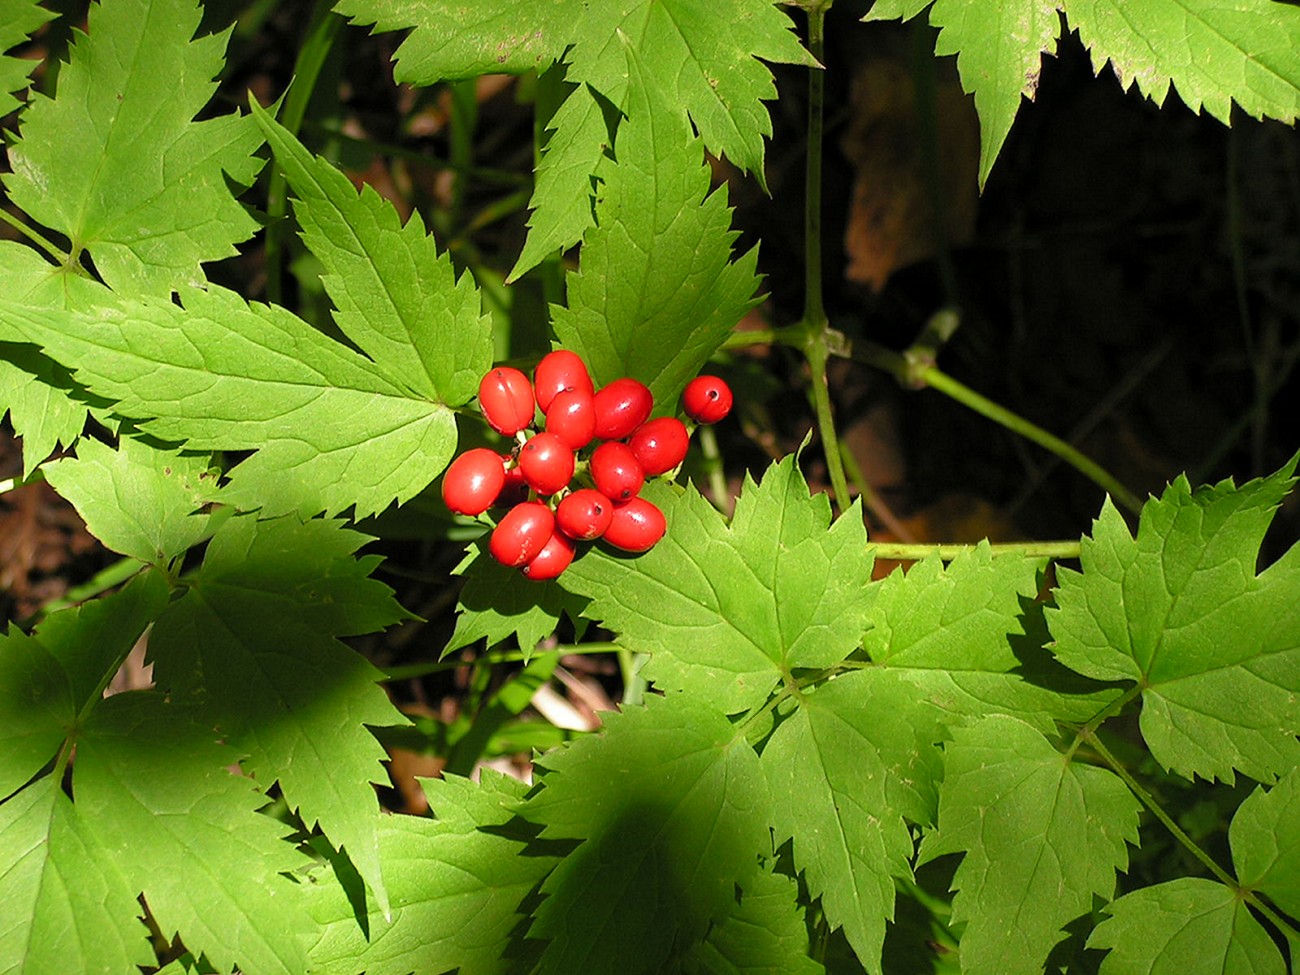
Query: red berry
x,y
706,399
515,488
636,526
553,559
621,407
616,471
506,398
547,463
521,533
558,371
659,445
473,481
572,418
584,514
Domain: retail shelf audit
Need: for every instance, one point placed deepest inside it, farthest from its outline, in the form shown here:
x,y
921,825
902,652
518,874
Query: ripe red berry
x,y
636,526
547,463
473,481
515,488
521,533
584,514
659,445
616,471
572,417
553,559
621,407
506,398
706,399
558,371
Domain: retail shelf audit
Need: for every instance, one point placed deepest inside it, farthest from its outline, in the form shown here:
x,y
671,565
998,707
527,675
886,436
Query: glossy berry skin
x,y
659,445
616,471
473,481
521,533
553,559
506,398
706,399
547,463
621,407
584,514
572,418
558,371
636,526
515,488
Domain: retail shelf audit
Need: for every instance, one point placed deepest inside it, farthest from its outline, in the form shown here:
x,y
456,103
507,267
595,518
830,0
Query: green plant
x,y
817,753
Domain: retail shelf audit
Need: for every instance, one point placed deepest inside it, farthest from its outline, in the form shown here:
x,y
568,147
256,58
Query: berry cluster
x,y
603,437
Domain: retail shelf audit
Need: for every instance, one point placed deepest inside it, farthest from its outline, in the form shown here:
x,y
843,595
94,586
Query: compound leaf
x,y
1180,610
115,161
1041,835
672,810
655,293
254,639
18,18
1265,838
725,611
1190,926
331,428
395,296
137,499
155,788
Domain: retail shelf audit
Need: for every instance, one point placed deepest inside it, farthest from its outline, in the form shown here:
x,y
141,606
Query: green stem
x,y
903,552
708,441
61,257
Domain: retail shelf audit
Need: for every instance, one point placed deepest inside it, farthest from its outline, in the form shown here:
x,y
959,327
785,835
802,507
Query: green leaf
x,y
655,293
952,632
115,161
67,906
999,46
155,788
1041,836
1180,610
455,889
330,427
1213,53
18,19
672,809
1189,926
137,499
706,55
1265,838
765,934
727,611
396,297
834,791
254,640
36,709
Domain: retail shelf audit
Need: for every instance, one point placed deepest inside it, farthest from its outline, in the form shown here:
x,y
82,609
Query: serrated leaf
x,y
765,934
18,19
138,499
672,809
455,891
115,161
999,46
1189,926
726,611
1265,838
833,769
707,55
67,906
655,293
1041,835
331,428
950,631
155,788
1180,610
1213,53
396,297
254,640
